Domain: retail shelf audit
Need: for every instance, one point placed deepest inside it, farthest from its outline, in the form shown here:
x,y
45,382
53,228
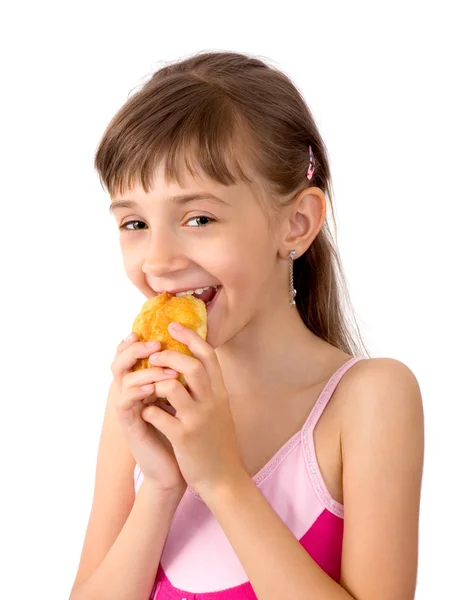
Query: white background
x,y
378,77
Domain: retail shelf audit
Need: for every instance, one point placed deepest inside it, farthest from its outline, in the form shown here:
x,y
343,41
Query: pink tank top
x,y
198,562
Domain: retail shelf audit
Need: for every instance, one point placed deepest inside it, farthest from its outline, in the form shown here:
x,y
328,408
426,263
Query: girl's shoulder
x,y
375,388
380,371
380,402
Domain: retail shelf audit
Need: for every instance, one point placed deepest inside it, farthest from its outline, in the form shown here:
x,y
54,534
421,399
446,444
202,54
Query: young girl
x,y
290,468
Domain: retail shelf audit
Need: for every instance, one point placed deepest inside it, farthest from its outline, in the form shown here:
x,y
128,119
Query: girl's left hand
x,y
202,432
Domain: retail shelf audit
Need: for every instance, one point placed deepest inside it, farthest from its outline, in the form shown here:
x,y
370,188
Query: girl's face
x,y
173,244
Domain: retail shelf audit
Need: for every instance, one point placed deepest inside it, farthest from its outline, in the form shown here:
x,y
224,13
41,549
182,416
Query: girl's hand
x,y
202,432
152,451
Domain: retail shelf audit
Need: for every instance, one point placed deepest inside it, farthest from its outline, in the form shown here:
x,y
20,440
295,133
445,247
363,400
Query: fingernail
x,y
129,337
154,357
170,371
176,326
151,344
149,387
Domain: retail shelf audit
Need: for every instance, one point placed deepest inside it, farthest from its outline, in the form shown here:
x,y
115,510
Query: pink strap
x,y
308,439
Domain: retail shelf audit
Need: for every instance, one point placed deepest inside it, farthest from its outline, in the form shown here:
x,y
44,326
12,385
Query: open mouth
x,y
206,294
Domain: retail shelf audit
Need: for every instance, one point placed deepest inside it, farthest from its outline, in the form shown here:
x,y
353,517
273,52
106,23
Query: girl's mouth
x,y
208,295
210,303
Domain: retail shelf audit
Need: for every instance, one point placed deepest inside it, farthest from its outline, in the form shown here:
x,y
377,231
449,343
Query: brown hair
x,y
215,107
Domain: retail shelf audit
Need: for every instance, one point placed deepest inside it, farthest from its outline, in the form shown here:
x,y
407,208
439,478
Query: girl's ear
x,y
302,221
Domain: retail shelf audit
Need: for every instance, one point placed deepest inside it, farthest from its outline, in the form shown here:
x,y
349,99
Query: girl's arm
x,y
382,446
129,568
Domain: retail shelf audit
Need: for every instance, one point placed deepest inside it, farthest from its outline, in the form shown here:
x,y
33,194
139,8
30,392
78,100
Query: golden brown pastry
x,y
155,316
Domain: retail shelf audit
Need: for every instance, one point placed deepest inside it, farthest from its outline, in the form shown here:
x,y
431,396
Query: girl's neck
x,y
273,355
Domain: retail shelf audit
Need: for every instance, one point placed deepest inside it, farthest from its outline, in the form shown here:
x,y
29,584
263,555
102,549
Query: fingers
x,y
205,355
128,354
132,337
192,369
139,387
146,377
181,400
134,395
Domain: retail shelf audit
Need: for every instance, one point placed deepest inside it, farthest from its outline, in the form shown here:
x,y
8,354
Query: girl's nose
x,y
163,254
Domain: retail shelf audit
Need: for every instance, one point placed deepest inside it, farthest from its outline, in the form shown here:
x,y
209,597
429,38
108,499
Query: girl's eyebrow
x,y
180,200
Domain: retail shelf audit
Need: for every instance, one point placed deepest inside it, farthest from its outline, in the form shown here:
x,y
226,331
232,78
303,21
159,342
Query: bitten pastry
x,y
156,314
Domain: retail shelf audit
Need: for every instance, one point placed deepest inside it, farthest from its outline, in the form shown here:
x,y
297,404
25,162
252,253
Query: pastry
x,y
156,314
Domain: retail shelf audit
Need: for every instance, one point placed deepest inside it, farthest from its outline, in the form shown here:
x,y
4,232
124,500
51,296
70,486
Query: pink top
x,y
198,562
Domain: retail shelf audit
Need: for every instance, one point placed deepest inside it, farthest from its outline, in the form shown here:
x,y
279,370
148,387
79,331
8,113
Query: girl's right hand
x,y
151,449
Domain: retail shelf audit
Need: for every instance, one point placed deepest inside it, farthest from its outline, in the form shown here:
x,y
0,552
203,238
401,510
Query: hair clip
x,y
311,165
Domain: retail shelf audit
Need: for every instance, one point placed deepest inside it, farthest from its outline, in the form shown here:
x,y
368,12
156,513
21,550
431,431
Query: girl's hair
x,y
217,107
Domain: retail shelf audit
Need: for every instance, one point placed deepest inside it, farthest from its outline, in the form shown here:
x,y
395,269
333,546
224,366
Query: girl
x,y
291,466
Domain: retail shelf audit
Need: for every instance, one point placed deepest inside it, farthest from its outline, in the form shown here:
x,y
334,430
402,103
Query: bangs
x,y
201,135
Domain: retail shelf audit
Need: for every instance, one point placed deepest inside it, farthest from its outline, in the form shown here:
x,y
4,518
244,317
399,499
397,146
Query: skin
x,y
264,352
252,318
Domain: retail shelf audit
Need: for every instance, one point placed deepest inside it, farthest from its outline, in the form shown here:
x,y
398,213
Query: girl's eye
x,y
200,217
125,225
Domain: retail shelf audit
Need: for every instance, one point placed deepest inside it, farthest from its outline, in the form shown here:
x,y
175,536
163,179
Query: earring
x,y
292,290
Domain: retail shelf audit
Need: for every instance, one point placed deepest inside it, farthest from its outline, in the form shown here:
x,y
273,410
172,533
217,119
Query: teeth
x,y
197,291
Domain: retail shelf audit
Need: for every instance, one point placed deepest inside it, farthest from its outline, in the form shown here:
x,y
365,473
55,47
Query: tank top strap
x,y
327,392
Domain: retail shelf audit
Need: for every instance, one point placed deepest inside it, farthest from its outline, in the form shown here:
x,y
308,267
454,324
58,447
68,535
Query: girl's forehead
x,y
189,172
161,187
187,176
